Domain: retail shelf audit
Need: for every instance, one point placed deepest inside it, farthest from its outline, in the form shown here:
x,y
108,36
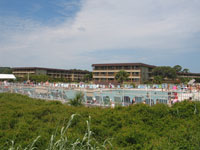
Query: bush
x,y
139,126
77,101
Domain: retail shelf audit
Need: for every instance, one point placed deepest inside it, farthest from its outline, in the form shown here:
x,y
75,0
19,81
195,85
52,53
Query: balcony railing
x,y
116,70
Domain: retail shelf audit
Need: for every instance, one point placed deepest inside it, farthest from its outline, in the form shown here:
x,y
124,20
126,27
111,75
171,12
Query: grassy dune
x,y
23,120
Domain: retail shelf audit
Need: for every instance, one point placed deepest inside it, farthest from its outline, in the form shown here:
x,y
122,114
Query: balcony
x,y
105,77
94,71
23,72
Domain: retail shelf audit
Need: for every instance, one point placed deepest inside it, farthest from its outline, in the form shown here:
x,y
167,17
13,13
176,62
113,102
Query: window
x,y
110,79
96,73
110,73
136,79
136,73
127,67
111,67
103,73
119,67
135,67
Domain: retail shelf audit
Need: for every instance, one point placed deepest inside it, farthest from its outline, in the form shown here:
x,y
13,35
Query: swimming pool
x,y
102,97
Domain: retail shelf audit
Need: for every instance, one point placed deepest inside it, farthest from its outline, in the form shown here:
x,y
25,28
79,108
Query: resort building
x,y
70,75
190,75
138,72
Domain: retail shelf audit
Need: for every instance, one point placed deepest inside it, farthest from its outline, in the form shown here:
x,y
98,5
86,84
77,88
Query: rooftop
x,y
125,64
189,74
49,69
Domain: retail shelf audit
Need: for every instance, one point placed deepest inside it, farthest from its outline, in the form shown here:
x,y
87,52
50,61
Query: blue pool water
x,y
102,97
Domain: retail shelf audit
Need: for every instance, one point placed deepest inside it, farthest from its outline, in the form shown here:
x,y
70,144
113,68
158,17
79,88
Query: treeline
x,y
161,74
164,74
140,126
5,70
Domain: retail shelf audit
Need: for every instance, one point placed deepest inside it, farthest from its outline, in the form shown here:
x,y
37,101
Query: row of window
x,y
67,76
112,79
115,67
113,73
58,72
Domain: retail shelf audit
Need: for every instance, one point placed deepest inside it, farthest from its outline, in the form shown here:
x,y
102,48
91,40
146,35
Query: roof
x,y
7,76
125,64
188,74
50,69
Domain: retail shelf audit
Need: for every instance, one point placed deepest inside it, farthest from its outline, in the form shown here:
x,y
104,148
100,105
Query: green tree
x,y
38,78
122,76
184,80
178,68
186,70
157,79
5,70
197,80
165,72
88,77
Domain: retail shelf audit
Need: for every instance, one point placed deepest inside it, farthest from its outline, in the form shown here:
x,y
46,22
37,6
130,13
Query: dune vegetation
x,y
27,123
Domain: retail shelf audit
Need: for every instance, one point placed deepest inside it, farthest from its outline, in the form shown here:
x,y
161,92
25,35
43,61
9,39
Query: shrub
x,y
139,126
77,101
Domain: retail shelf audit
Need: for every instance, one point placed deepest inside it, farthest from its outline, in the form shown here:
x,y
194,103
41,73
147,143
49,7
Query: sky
x,y
70,34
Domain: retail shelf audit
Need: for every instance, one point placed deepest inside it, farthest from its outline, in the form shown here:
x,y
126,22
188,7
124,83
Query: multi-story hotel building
x,y
188,75
70,75
138,72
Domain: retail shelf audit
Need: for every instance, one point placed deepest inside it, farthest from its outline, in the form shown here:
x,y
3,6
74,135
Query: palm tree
x,y
122,76
77,101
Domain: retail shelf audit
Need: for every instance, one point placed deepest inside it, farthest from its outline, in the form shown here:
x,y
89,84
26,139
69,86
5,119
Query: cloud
x,y
105,26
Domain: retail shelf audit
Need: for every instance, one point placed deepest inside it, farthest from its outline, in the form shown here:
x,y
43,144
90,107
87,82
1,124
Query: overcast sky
x,y
77,33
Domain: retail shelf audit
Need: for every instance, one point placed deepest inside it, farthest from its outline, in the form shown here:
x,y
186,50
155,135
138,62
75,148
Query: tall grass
x,y
88,142
29,147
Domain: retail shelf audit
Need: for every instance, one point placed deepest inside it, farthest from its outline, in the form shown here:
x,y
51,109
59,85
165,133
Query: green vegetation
x,y
186,70
63,143
197,80
5,70
165,72
121,76
88,77
178,68
44,78
184,80
157,79
77,101
159,127
41,78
